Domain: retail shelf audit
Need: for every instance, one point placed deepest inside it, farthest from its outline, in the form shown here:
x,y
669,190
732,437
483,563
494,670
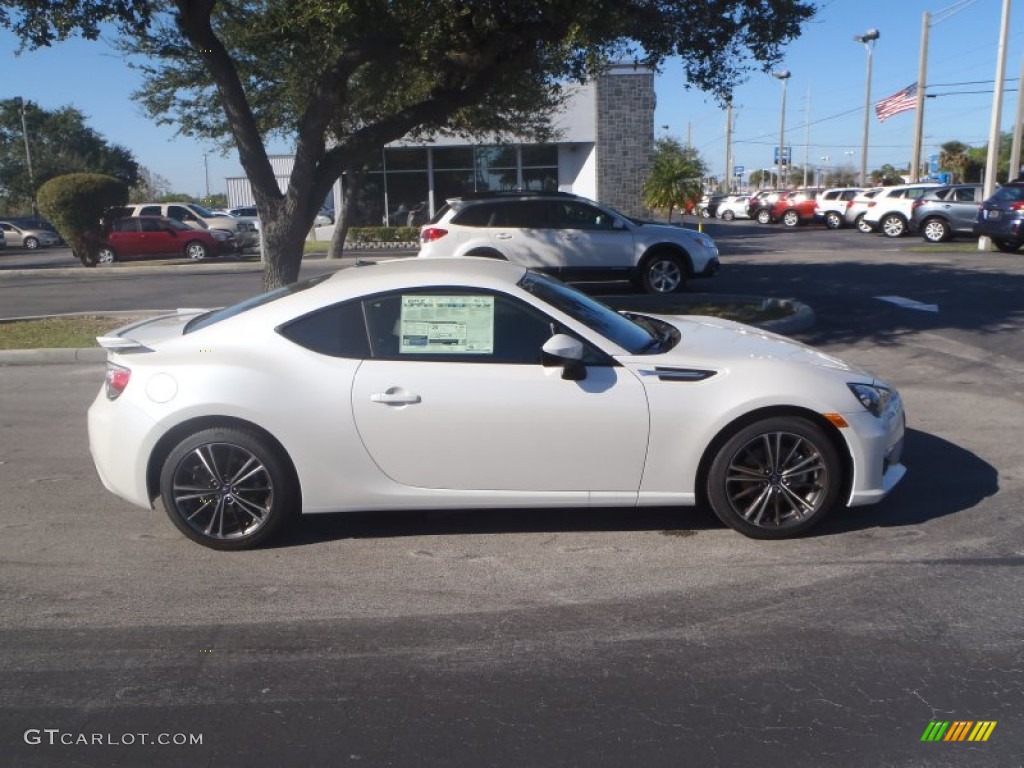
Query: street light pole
x,y
784,76
206,170
868,38
28,156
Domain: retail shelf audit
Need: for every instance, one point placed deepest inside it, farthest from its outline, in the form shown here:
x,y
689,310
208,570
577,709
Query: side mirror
x,y
565,351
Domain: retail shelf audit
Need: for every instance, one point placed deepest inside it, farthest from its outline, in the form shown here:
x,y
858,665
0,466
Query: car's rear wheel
x,y
227,488
893,225
728,215
106,255
775,478
764,216
663,273
863,226
1007,246
833,220
790,219
196,251
936,231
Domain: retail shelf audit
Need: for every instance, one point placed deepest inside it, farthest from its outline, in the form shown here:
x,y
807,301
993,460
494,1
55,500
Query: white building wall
x,y
577,169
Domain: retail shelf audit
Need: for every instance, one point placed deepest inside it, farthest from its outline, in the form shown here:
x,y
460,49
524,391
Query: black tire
x,y
228,489
728,216
791,219
1007,246
31,243
833,220
751,466
863,226
196,250
764,216
892,225
663,273
106,255
936,230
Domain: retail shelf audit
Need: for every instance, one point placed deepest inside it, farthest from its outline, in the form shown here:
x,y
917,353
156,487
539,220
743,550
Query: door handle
x,y
502,236
395,398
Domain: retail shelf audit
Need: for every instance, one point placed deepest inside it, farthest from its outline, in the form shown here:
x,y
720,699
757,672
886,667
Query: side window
x,y
833,195
916,192
150,210
150,225
848,194
178,213
582,216
483,215
525,214
126,225
898,193
338,331
964,195
455,325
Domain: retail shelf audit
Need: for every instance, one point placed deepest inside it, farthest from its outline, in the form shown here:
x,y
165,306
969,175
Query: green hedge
x,y
383,234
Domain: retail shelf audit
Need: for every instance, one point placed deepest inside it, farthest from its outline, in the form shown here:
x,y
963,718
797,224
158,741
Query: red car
x,y
796,207
156,236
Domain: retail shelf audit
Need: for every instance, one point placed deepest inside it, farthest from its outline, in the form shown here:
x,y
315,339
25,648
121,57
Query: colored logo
x,y
958,730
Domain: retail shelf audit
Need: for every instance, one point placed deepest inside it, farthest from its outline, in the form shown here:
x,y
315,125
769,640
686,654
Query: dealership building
x,y
602,145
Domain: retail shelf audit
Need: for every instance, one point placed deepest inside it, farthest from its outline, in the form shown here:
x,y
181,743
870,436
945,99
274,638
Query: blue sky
x,y
826,64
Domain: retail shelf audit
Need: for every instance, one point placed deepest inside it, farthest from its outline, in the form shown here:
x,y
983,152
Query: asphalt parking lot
x,y
545,638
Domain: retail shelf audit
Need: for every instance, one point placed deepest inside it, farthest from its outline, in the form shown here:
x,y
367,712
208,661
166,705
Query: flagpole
x,y
922,75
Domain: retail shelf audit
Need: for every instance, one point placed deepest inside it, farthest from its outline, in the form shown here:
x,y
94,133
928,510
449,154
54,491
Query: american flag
x,y
900,101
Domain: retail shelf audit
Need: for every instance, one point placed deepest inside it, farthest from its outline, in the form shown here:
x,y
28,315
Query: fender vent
x,y
678,374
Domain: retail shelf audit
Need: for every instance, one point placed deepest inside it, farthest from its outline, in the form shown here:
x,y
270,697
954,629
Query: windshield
x,y
216,315
206,213
591,313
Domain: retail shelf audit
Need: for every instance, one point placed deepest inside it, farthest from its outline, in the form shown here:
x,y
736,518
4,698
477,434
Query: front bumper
x,y
876,445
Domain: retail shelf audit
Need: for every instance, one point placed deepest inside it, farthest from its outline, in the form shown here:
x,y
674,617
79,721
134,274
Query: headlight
x,y
874,398
220,235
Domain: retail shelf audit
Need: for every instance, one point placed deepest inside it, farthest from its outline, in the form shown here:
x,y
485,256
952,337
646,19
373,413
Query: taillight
x,y
117,380
1017,206
872,204
917,203
848,204
430,234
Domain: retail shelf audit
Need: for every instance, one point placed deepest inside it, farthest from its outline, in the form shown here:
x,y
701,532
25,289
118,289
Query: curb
x,y
801,319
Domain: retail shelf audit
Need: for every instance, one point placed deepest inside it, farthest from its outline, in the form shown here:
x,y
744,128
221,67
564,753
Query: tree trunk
x,y
284,237
344,217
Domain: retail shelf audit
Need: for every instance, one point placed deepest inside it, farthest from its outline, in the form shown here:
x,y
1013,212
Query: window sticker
x,y
446,325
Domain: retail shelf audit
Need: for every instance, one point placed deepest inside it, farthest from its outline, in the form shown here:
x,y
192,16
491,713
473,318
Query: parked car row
x,y
28,236
935,211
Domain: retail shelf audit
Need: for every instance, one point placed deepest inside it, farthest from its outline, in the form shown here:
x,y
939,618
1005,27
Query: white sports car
x,y
467,383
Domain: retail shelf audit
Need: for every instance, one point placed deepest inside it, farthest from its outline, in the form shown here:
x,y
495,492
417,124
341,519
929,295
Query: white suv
x,y
832,205
571,237
198,217
890,211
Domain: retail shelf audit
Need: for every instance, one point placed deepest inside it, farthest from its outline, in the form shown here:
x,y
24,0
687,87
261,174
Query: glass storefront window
x,y
453,158
540,155
406,159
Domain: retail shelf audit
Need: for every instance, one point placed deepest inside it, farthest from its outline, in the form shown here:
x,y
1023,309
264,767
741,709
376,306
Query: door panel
x,y
484,426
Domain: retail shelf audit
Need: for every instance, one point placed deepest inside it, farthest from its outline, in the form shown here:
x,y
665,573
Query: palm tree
x,y
675,177
953,157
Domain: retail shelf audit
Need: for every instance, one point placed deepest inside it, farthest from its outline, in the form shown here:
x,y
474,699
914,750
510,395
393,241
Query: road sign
x,y
737,170
787,155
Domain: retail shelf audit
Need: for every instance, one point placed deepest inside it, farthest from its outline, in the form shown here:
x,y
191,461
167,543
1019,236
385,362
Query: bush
x,y
76,204
383,234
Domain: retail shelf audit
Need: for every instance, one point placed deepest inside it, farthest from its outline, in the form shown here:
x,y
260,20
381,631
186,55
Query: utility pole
x,y
992,164
922,76
728,147
807,134
28,157
869,39
206,170
1014,171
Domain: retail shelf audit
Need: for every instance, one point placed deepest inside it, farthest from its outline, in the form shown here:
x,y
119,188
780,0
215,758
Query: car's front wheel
x,y
31,243
663,273
196,251
764,216
833,220
790,219
936,231
728,215
1007,246
106,255
228,488
775,478
893,225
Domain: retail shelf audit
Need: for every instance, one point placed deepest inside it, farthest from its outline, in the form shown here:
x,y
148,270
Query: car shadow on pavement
x,y
942,479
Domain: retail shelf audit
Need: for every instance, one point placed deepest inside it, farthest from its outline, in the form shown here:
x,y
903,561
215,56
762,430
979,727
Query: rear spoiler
x,y
124,339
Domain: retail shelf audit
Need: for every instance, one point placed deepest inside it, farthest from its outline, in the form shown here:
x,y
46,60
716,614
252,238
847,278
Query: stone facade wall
x,y
625,136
